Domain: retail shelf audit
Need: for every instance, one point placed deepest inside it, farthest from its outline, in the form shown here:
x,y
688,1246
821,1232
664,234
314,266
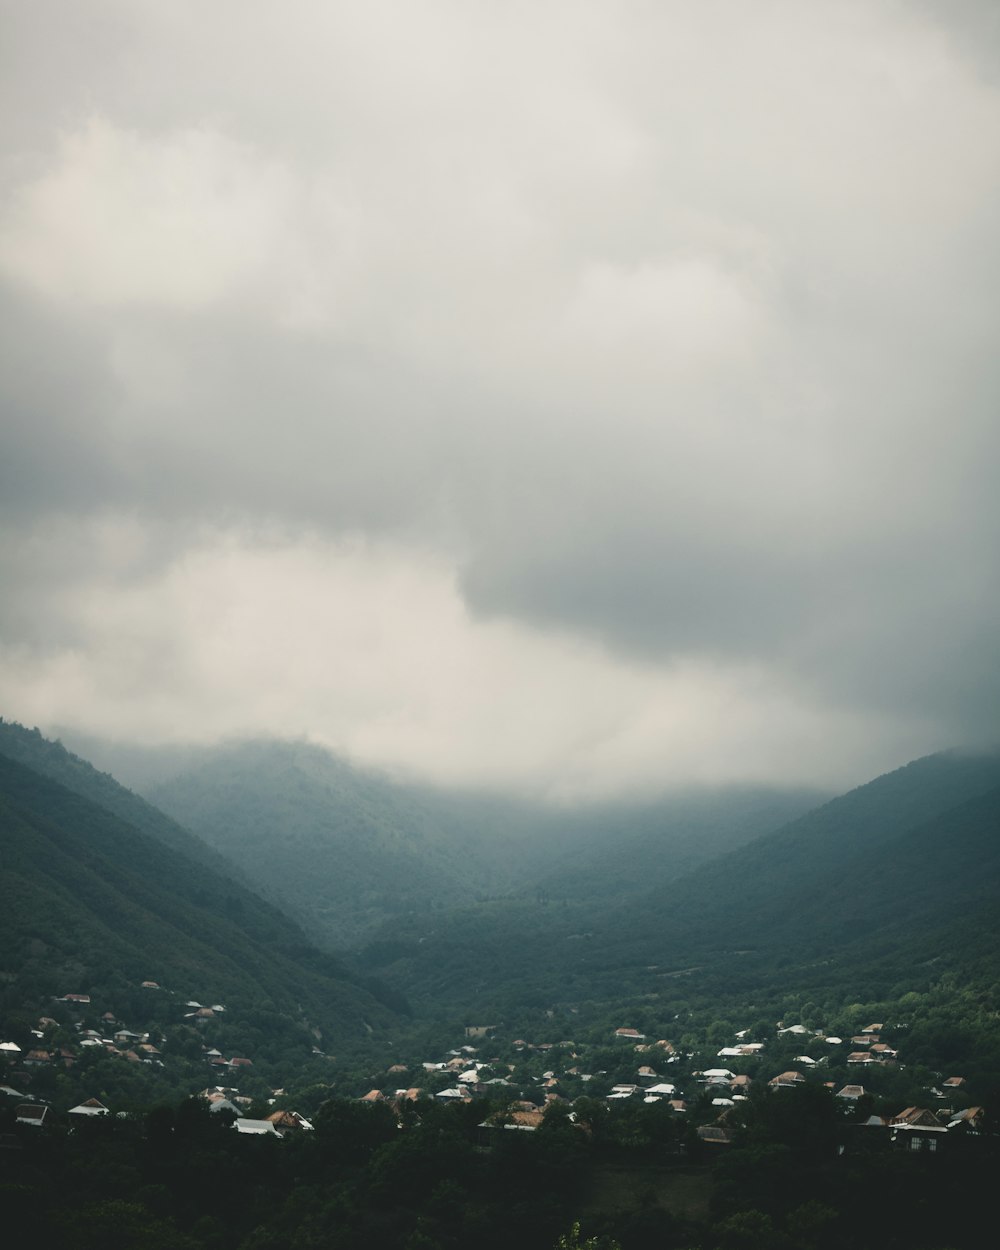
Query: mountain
x,y
339,847
53,760
880,872
347,850
87,898
895,846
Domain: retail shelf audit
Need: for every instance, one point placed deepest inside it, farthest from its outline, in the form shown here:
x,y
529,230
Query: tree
x,y
571,1241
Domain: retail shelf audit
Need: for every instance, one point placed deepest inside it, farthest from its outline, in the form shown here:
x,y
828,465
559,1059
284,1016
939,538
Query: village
x,y
518,1082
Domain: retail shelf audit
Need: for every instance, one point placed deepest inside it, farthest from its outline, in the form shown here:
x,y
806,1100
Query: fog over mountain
x,y
568,398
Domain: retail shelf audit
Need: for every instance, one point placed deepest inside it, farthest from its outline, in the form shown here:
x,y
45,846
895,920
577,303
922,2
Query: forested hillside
x,y
870,874
345,850
52,759
89,901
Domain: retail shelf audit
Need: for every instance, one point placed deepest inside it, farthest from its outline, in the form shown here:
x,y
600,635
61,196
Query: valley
x,y
648,1008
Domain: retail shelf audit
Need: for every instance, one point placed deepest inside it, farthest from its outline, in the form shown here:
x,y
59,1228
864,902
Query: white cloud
x,y
643,352
370,650
180,220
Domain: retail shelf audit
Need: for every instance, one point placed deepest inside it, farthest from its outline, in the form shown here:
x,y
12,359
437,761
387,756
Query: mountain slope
x,y
86,897
347,850
53,760
339,847
872,871
858,854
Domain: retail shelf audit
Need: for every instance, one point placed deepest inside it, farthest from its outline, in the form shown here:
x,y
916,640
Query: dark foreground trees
x,y
796,1178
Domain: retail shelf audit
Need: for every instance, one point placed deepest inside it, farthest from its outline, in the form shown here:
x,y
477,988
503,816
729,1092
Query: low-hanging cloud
x,y
657,341
372,648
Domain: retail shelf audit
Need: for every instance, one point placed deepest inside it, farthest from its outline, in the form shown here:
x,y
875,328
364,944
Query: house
x,y
285,1120
785,1080
953,1082
523,1121
255,1127
714,1134
31,1113
851,1093
630,1035
915,1116
881,1051
89,1108
36,1058
216,1091
860,1056
971,1120
224,1104
917,1129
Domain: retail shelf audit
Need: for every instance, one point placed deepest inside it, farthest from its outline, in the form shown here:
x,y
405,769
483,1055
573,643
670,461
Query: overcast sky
x,y
571,397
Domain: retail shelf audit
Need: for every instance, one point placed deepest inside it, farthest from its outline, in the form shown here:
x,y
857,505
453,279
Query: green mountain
x,y
871,878
346,850
53,760
340,848
89,900
904,843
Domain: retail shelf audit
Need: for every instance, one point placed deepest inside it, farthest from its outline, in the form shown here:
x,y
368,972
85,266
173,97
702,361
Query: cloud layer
x,y
574,397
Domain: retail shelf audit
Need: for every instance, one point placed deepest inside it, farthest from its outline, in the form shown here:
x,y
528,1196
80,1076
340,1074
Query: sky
x,y
570,398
